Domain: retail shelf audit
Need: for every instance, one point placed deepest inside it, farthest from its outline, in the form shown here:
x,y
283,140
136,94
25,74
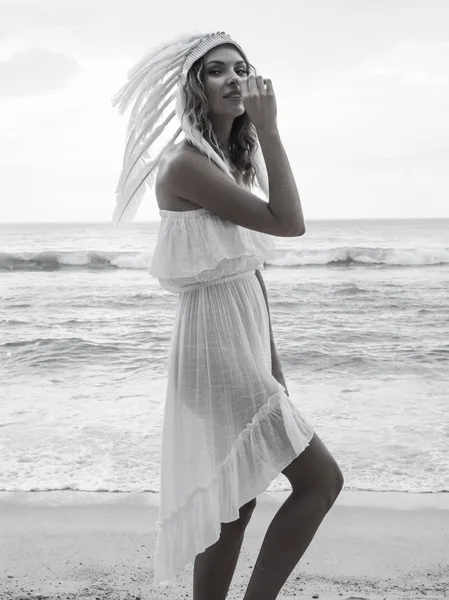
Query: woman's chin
x,y
237,109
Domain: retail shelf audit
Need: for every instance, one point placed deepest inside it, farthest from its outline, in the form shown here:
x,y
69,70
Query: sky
x,y
362,90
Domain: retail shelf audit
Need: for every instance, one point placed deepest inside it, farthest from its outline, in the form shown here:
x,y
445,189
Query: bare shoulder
x,y
192,178
166,198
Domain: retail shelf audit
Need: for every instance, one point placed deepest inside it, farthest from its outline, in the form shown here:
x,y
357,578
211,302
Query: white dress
x,y
229,428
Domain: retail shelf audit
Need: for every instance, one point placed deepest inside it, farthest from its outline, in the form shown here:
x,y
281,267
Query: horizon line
x,y
146,222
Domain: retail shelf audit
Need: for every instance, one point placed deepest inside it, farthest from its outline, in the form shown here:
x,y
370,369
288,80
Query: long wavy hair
x,y
243,138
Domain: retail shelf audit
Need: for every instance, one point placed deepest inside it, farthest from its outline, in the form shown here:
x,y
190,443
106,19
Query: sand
x,y
100,545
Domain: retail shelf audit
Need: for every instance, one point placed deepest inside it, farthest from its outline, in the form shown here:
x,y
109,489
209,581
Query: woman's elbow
x,y
298,231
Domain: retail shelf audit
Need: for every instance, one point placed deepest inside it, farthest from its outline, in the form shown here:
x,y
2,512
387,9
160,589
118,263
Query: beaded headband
x,y
206,44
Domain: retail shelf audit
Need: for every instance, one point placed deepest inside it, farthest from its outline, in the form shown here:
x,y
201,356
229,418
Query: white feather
x,y
135,157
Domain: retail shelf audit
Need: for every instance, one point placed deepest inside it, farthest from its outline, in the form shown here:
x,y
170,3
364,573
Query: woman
x,y
229,426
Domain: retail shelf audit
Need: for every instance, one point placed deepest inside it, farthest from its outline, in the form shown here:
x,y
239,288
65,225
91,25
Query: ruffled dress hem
x,y
196,525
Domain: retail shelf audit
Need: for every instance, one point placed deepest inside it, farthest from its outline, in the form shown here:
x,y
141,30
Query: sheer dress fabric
x,y
229,428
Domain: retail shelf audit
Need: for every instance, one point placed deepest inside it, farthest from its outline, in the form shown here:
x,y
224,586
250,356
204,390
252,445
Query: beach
x,y
73,545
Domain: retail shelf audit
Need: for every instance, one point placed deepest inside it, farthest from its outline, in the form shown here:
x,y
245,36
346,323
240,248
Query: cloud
x,y
36,72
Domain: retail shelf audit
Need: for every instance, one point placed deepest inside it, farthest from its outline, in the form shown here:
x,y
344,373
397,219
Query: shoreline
x,y
69,544
348,496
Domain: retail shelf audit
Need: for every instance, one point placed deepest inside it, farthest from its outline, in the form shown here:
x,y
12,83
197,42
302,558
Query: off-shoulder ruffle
x,y
193,241
249,468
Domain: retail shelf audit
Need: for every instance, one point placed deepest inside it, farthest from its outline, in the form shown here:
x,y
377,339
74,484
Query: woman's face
x,y
224,72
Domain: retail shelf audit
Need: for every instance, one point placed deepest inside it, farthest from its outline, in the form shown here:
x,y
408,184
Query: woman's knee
x,y
329,483
335,483
316,470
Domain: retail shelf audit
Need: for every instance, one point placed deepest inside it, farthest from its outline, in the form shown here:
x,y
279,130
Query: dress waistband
x,y
194,286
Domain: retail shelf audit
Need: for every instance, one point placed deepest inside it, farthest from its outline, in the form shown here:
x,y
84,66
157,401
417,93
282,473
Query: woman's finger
x,y
260,83
252,84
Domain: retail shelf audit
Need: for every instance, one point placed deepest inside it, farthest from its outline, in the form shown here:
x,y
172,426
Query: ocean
x,y
360,314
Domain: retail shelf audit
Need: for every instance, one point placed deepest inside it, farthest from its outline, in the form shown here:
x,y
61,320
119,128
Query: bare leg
x,y
316,482
214,568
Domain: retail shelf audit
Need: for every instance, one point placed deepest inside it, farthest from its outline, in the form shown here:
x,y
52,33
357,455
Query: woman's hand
x,y
276,369
259,102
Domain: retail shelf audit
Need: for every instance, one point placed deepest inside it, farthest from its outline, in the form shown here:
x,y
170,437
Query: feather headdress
x,y
155,85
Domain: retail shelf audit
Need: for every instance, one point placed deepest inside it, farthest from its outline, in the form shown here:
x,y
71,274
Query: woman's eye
x,y
244,71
